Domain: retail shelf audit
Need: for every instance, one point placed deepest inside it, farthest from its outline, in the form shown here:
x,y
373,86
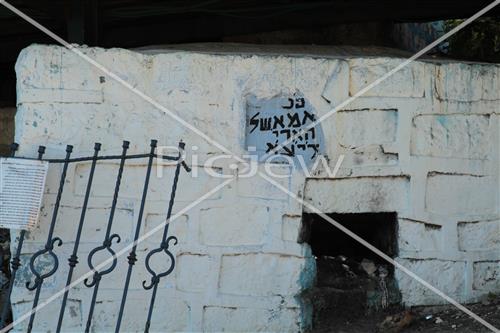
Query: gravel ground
x,y
422,319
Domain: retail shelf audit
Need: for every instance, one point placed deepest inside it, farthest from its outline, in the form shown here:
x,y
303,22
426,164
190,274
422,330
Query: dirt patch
x,y
431,319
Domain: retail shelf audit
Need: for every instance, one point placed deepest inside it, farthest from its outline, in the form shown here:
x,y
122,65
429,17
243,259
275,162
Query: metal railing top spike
x,y
40,277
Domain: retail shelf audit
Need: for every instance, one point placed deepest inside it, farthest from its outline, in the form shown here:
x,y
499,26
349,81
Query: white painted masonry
x,y
424,144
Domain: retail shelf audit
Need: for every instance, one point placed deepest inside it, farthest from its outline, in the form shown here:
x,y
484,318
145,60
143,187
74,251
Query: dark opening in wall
x,y
378,229
351,280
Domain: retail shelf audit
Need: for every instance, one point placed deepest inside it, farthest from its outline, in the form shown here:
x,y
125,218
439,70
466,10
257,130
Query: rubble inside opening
x,y
351,280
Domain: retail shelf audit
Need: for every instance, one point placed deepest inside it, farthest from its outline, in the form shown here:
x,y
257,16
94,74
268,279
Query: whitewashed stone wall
x,y
424,144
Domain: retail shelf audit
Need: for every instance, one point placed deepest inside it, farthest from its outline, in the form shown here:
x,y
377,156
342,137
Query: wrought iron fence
x,y
109,239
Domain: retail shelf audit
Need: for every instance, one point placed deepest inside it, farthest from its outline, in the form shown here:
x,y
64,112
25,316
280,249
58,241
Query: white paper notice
x,y
22,184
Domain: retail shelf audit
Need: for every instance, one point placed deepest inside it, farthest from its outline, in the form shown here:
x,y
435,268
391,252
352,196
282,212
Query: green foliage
x,y
479,41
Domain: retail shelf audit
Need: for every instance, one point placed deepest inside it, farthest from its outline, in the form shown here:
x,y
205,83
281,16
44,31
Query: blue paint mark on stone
x,y
442,120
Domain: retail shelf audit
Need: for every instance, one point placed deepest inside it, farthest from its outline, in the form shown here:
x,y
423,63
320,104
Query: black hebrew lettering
x,y
254,122
307,115
277,126
289,151
265,124
271,146
288,106
300,103
287,131
294,120
278,121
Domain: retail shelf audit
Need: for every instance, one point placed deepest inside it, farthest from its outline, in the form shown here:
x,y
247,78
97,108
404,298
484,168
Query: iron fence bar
x,y
164,246
132,257
40,277
73,259
15,262
108,240
104,157
49,245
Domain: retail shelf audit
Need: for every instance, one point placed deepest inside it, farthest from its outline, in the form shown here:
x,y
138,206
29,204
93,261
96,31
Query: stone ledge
x,y
236,319
447,276
456,136
479,235
460,194
244,274
486,276
374,194
418,236
234,225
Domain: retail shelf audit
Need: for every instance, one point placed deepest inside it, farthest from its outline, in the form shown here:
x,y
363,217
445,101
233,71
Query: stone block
x,y
353,132
234,225
94,227
133,182
467,82
171,313
372,155
462,194
359,194
258,187
290,227
193,271
457,136
408,82
178,228
447,276
45,321
237,319
479,235
486,276
336,89
259,274
418,236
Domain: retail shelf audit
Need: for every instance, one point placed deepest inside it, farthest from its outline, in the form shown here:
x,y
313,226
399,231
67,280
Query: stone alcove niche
x,y
351,280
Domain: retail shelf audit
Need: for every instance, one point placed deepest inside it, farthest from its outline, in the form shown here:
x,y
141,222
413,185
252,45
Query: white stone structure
x,y
423,144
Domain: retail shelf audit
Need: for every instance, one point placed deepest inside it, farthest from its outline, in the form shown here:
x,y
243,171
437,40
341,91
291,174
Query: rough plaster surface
x,y
425,144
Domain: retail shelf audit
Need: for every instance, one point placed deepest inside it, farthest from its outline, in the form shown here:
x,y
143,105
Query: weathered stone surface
x,y
73,315
176,319
372,194
336,89
193,272
177,228
243,274
407,82
447,276
486,276
234,225
479,235
259,188
373,155
454,82
418,236
236,319
94,224
460,194
353,130
290,228
133,181
459,136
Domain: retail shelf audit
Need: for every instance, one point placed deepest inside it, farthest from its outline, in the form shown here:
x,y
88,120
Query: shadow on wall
x,y
6,138
6,129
